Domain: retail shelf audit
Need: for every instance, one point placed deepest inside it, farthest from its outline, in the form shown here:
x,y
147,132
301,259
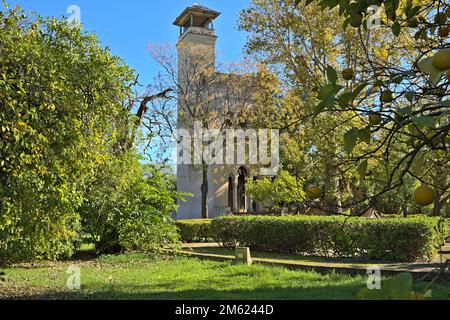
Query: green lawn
x,y
135,276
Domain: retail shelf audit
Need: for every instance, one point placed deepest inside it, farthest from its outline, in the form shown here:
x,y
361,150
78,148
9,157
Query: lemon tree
x,y
405,93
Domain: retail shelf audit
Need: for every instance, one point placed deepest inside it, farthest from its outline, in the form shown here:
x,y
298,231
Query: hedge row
x,y
194,230
394,239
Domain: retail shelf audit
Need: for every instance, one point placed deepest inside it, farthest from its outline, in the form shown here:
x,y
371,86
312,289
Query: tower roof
x,y
199,11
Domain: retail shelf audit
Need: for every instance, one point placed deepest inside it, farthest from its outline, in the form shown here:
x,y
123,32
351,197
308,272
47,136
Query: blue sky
x,y
128,26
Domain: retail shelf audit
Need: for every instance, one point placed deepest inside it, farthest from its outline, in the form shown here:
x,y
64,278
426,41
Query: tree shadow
x,y
142,292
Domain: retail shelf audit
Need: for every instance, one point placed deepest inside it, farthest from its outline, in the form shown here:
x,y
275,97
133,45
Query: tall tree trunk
x,y
332,177
441,185
205,189
438,204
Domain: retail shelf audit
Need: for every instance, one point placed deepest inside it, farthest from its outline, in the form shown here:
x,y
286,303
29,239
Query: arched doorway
x,y
231,193
242,179
254,204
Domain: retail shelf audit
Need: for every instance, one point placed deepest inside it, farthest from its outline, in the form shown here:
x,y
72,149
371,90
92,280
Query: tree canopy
x,y
364,106
65,127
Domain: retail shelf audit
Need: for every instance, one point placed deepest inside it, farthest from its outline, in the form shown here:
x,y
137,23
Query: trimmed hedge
x,y
393,239
194,230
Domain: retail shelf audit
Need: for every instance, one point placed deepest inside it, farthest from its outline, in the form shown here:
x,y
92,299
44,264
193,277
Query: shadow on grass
x,y
139,292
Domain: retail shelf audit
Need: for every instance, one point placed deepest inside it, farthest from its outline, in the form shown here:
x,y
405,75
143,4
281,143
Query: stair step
x,y
445,249
441,258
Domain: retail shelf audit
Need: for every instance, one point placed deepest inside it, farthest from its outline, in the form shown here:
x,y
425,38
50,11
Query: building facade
x,y
196,58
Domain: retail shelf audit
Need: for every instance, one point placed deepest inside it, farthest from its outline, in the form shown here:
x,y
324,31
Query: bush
x,y
394,239
130,209
194,230
273,195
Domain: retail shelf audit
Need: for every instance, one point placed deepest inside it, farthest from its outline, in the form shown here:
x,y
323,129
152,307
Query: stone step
x,y
444,253
441,258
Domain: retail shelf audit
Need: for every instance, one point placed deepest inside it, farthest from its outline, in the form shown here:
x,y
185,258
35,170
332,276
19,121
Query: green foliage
x,y
273,194
128,207
194,230
59,96
412,96
394,239
327,135
62,129
400,287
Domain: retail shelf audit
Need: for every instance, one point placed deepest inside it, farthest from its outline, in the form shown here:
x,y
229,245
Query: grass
x,y
137,276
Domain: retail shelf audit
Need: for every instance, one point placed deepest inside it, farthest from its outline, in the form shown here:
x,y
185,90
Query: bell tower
x,y
197,39
196,72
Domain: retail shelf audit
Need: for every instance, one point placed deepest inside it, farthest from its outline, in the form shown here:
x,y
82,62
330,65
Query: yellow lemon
x,y
387,96
416,296
348,74
356,20
375,119
441,60
443,32
424,195
441,18
313,192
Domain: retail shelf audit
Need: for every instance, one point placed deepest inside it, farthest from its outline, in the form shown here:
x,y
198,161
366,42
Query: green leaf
x,y
390,7
397,78
362,169
332,75
350,139
414,11
424,121
343,5
406,110
327,103
399,286
395,288
365,134
418,165
326,91
332,3
345,99
396,28
409,96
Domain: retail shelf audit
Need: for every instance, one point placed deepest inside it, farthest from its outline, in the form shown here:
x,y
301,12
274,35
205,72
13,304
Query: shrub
x,y
273,195
130,209
393,239
194,230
